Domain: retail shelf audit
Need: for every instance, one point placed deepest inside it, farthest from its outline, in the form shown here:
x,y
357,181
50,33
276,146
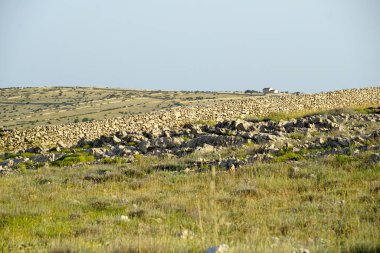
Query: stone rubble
x,y
310,137
63,136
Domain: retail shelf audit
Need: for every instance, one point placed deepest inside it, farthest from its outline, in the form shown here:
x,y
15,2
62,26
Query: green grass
x,y
131,143
29,165
297,136
72,159
185,138
368,110
259,208
286,154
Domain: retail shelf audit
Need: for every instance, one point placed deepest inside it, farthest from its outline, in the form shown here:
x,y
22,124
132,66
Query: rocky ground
x,y
279,183
337,133
69,134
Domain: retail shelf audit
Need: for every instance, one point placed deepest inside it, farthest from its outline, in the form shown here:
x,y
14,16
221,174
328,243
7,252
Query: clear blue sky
x,y
294,45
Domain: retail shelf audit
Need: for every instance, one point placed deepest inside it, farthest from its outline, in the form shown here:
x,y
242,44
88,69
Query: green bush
x,y
185,138
289,157
342,160
138,156
287,154
131,143
72,159
297,136
249,144
87,146
116,160
29,166
87,119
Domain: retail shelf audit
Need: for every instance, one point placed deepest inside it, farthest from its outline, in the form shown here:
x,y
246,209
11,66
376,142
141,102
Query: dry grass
x,y
329,206
363,109
28,107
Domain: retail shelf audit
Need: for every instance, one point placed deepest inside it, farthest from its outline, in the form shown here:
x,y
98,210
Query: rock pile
x,y
307,137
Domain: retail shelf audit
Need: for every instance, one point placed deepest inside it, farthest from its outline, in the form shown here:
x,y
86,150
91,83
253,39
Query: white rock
x,y
223,248
124,218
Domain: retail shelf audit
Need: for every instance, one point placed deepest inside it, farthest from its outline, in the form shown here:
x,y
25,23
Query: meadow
x,y
329,204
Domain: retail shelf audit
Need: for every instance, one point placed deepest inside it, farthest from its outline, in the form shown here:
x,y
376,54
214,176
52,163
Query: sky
x,y
292,45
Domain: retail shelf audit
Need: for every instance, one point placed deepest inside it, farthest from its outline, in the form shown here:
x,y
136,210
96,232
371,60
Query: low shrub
x,y
131,143
297,136
342,160
185,138
287,154
116,160
29,166
133,173
72,159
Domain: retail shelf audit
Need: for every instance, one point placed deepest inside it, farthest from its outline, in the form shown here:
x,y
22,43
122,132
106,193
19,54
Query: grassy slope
x,y
331,205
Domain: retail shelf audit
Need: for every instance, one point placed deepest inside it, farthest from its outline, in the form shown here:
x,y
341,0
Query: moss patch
x,y
72,159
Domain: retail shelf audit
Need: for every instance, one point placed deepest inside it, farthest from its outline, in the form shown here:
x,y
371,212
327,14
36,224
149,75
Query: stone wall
x,y
70,134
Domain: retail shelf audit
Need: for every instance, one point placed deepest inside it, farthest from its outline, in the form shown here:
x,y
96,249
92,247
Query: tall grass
x,y
329,205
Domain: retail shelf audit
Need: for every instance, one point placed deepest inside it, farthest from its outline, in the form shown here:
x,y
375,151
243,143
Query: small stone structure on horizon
x,y
270,91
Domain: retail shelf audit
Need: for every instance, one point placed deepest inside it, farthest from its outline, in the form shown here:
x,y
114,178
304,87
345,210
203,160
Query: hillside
x,y
28,107
69,134
286,173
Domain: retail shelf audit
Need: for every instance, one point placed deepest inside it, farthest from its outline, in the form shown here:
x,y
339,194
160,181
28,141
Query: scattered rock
x,y
223,248
124,218
116,140
374,158
241,125
206,148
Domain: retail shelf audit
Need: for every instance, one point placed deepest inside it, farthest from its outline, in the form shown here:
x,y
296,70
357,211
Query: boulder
x,y
214,140
194,128
223,248
60,144
143,146
98,152
242,125
43,158
375,135
374,158
116,140
206,148
166,142
265,138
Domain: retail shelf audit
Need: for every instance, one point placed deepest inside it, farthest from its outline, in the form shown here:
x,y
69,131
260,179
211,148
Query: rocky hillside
x,y
338,133
68,135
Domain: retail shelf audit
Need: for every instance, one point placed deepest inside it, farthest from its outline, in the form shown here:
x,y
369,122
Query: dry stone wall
x,y
70,134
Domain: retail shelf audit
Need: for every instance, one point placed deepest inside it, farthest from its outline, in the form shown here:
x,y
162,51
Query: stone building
x,y
270,91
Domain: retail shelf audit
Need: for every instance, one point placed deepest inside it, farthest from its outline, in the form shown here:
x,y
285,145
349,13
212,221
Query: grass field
x,y
327,205
157,204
